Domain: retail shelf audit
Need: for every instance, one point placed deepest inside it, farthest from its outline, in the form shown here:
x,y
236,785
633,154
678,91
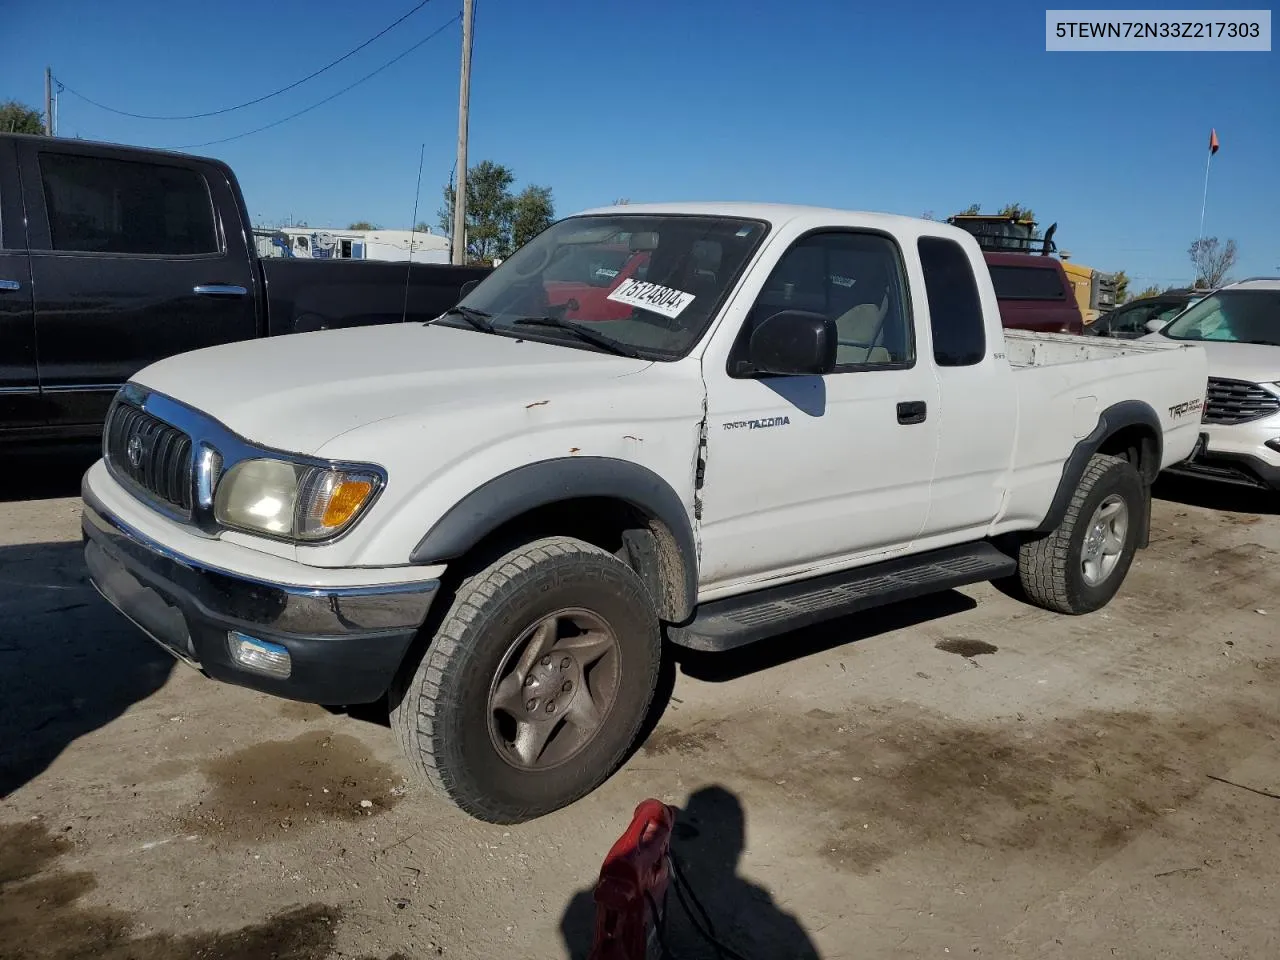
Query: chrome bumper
x,y
345,643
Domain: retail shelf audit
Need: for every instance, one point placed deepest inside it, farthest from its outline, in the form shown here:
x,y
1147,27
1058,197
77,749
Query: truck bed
x,y
1027,349
1064,384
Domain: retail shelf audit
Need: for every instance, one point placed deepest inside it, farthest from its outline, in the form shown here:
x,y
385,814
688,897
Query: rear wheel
x,y
1079,567
535,685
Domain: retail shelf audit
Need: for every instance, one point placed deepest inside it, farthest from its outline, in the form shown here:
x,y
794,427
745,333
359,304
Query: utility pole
x,y
48,101
464,109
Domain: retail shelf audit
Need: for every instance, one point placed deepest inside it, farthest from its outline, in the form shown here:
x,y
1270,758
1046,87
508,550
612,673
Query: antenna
x,y
408,270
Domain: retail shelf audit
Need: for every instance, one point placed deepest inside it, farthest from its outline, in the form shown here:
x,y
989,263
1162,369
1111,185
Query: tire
x,y
472,731
1052,571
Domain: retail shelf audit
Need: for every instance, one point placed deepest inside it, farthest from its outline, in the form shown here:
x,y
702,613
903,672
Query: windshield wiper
x,y
582,333
477,318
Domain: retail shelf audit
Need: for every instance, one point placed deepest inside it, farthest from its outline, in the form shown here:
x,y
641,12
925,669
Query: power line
x,y
333,96
249,103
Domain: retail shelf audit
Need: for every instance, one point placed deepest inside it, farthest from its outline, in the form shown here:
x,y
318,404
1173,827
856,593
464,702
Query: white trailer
x,y
331,244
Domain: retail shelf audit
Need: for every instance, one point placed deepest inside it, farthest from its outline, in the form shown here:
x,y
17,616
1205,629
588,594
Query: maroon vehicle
x,y
1034,293
1032,289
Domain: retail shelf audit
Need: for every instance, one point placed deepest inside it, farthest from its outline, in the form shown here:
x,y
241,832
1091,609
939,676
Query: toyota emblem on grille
x,y
134,451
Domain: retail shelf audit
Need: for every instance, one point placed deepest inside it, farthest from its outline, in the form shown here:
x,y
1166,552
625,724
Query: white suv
x,y
1239,327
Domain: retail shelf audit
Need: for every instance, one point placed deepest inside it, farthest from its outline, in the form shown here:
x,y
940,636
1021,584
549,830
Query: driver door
x,y
807,473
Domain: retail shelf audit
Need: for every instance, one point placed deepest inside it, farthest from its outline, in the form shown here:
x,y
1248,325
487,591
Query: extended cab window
x,y
98,205
855,279
955,312
1027,283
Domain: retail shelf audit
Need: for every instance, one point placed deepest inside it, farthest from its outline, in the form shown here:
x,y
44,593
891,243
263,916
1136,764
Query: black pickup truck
x,y
112,257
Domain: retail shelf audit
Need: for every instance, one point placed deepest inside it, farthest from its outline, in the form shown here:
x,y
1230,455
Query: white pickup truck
x,y
746,418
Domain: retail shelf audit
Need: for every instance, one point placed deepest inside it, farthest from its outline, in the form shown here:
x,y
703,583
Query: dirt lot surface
x,y
963,776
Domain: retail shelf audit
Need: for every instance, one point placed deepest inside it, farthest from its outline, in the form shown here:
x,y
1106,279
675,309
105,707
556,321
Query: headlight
x,y
293,501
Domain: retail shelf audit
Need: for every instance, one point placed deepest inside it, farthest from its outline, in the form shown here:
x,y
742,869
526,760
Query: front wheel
x,y
535,685
1078,567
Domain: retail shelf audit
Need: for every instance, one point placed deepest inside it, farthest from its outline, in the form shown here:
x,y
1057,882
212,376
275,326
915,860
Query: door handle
x,y
912,411
10,285
219,290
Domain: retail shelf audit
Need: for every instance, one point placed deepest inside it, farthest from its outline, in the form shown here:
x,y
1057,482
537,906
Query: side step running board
x,y
734,621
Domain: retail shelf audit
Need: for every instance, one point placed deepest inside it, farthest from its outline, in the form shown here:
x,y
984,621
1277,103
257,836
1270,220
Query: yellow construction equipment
x,y
1095,291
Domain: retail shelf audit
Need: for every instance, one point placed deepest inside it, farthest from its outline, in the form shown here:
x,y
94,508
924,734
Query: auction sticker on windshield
x,y
652,296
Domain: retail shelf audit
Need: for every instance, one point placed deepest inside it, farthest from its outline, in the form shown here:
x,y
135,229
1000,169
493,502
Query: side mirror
x,y
467,288
794,343
1155,326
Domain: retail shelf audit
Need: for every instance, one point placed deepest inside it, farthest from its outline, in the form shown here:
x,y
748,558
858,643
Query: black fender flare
x,y
1117,417
518,491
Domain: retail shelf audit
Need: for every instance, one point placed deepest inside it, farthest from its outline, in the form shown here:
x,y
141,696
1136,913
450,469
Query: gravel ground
x,y
963,775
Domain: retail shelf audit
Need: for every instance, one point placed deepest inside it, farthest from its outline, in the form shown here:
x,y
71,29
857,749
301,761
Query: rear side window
x,y
1027,283
955,312
96,205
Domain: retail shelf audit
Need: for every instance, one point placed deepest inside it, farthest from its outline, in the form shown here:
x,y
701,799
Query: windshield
x,y
649,283
1235,316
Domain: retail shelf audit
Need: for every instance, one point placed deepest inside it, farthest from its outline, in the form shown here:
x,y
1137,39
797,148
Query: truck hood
x,y
1254,362
300,391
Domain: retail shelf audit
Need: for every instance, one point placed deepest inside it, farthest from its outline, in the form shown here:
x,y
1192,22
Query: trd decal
x,y
1180,410
758,424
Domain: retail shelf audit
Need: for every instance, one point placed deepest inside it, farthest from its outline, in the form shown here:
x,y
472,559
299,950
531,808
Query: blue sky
x,y
904,107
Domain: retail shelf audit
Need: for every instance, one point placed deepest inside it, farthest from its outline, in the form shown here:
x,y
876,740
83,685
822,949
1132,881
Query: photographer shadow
x,y
69,664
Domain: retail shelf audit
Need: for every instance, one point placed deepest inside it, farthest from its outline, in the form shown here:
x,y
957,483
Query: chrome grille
x,y
1238,401
150,456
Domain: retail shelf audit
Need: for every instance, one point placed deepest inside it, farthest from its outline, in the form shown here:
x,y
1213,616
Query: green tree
x,y
17,117
1017,211
1122,285
1151,291
1008,210
1213,261
533,213
422,227
498,222
489,208
363,225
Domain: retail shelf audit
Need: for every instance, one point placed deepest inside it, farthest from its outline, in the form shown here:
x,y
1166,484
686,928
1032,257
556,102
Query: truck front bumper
x,y
344,645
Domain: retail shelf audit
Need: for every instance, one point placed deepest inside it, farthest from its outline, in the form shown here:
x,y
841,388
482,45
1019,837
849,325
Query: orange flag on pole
x,y
1213,141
